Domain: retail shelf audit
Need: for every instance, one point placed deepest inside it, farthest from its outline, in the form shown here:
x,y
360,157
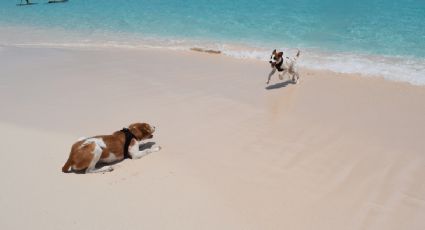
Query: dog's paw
x,y
107,169
157,148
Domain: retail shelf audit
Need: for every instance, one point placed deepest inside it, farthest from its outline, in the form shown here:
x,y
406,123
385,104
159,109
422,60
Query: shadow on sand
x,y
146,145
280,85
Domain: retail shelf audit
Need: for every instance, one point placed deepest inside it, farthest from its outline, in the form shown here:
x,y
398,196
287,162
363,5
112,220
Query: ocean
x,y
371,37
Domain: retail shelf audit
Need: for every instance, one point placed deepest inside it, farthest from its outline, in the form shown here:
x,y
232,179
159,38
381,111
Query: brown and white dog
x,y
284,65
87,152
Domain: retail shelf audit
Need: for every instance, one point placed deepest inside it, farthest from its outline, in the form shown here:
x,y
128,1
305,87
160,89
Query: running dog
x,y
87,152
284,65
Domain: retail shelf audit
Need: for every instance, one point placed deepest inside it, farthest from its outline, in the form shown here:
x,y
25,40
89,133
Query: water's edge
x,y
402,69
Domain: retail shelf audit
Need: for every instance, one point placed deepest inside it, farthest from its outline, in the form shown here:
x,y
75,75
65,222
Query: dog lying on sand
x,y
284,65
87,152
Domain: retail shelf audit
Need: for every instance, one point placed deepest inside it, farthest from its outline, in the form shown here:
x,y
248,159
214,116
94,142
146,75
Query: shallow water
x,y
380,37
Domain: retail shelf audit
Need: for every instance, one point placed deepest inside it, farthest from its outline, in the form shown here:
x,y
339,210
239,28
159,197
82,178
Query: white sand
x,y
334,152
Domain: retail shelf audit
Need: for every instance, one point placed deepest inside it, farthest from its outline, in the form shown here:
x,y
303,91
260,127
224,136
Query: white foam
x,y
402,69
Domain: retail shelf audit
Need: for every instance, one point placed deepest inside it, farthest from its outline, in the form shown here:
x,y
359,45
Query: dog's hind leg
x,y
296,77
67,165
282,73
97,152
291,77
100,170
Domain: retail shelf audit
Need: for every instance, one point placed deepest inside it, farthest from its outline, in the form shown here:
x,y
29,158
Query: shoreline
x,y
393,68
189,50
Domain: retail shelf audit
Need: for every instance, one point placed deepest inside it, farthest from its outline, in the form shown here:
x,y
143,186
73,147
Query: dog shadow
x,y
144,146
280,85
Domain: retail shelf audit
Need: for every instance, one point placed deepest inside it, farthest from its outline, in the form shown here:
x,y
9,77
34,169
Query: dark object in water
x,y
27,3
206,51
57,1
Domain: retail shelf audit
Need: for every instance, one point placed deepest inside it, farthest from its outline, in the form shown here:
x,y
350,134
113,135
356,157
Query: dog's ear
x,y
274,51
135,130
280,54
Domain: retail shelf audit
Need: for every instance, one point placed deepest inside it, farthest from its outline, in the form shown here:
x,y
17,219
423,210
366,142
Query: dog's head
x,y
142,131
275,57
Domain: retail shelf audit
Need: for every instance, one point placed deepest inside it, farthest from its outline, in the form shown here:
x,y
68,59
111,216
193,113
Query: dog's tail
x,y
67,165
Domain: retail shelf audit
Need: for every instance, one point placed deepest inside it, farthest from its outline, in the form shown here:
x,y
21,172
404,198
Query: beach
x,y
336,151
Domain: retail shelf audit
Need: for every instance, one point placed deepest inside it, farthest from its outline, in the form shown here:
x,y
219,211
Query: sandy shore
x,y
334,152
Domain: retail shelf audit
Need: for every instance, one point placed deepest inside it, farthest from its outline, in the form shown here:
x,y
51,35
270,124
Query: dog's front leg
x,y
270,75
135,153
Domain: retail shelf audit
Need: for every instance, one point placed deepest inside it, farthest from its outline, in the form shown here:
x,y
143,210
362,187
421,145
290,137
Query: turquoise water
x,y
369,35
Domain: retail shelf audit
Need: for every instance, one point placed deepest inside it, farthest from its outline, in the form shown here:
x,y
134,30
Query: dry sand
x,y
333,152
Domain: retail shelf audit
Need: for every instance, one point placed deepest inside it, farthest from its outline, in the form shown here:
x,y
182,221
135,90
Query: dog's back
x,y
292,61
